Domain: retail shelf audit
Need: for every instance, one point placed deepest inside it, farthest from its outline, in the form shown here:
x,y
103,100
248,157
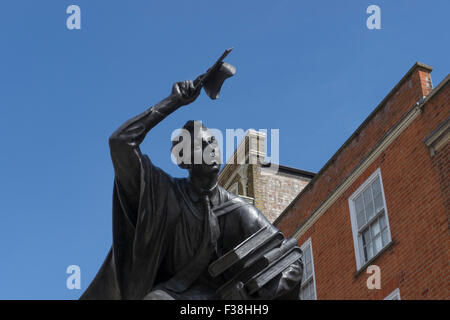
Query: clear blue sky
x,y
309,68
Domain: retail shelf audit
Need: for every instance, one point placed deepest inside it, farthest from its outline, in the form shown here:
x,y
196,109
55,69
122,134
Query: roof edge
x,y
417,65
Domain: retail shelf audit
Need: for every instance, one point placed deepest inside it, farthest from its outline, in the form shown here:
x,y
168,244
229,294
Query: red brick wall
x,y
441,163
417,262
410,90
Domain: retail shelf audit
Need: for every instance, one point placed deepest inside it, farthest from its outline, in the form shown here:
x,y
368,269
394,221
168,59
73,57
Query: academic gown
x,y
157,230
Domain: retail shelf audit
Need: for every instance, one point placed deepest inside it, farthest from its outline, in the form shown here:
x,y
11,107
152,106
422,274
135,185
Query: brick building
x,y
247,175
383,200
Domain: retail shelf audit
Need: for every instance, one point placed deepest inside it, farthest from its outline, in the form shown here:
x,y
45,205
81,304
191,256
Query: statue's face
x,y
205,154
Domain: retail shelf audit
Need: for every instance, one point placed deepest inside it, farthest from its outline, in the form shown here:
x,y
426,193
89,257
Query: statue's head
x,y
197,150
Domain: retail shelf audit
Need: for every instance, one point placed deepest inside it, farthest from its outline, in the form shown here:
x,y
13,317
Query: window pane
x,y
311,292
361,218
378,203
366,237
307,291
382,219
369,250
367,240
378,198
368,203
360,215
361,248
376,187
307,262
375,228
308,269
377,244
385,237
307,255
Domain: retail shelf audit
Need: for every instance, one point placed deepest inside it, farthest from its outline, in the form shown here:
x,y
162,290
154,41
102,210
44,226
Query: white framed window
x,y
234,188
308,286
369,218
394,295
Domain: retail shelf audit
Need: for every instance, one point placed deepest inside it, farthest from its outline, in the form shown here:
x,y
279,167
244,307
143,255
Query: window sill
x,y
369,262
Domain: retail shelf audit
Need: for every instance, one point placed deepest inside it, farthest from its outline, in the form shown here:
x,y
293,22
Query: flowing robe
x,y
157,229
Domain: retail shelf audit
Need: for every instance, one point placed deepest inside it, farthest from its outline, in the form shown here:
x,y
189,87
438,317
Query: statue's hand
x,y
185,92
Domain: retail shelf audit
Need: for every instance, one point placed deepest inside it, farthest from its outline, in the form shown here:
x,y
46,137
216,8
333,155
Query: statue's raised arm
x,y
124,142
167,231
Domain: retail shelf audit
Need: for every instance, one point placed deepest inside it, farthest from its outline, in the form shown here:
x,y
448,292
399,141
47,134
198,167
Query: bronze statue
x,y
167,231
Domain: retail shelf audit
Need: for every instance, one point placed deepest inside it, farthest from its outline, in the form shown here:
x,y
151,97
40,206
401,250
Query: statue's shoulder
x,y
241,206
250,218
181,184
231,198
154,172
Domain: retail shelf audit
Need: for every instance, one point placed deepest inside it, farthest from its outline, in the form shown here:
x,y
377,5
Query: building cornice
x,y
364,164
417,65
383,143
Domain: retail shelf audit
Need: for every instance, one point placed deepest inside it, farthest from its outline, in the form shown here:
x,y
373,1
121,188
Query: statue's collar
x,y
195,192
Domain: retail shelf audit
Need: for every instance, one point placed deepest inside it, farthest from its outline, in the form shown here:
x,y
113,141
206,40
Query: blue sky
x,y
309,68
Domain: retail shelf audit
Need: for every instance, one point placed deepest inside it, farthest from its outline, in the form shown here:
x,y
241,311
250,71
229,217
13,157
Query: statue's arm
x,y
124,142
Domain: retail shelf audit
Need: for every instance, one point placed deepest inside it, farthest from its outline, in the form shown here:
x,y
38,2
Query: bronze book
x,y
242,251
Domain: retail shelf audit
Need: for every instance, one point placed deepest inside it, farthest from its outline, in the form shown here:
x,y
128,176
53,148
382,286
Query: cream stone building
x,y
269,187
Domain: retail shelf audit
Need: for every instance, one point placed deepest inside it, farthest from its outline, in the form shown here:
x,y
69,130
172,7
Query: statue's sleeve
x,y
139,220
140,191
127,158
